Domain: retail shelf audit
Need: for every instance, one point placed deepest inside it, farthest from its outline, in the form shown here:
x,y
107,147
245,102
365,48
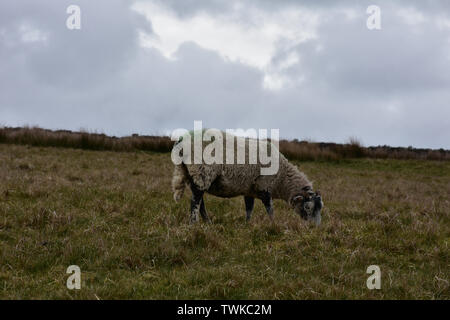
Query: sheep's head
x,y
308,204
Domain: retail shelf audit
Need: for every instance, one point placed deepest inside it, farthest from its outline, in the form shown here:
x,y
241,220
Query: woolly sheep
x,y
231,180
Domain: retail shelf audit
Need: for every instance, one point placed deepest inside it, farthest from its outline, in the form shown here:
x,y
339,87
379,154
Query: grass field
x,y
112,214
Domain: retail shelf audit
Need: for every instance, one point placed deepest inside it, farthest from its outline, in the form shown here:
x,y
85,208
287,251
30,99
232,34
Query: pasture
x,y
112,214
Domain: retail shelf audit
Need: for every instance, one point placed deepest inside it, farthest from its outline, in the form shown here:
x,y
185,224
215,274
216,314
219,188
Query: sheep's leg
x,y
196,202
203,212
266,199
249,203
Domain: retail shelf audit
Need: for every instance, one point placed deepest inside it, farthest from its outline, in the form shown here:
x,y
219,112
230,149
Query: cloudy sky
x,y
310,68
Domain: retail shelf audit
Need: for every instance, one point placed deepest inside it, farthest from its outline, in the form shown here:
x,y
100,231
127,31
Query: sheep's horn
x,y
292,202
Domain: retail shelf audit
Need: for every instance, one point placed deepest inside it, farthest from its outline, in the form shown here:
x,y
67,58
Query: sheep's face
x,y
309,206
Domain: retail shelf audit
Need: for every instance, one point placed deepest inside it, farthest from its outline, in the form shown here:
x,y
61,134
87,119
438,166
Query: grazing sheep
x,y
231,180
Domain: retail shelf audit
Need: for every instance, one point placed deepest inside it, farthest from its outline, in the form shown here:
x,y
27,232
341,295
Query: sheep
x,y
231,180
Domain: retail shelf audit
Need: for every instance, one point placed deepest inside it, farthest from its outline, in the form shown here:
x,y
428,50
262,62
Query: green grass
x,y
112,214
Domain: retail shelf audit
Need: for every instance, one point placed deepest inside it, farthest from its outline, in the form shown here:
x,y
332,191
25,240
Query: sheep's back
x,y
235,180
229,180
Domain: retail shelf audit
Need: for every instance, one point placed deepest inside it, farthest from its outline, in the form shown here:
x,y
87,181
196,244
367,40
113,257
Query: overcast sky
x,y
312,69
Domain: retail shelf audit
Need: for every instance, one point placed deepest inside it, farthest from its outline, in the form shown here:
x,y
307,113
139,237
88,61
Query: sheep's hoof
x,y
194,219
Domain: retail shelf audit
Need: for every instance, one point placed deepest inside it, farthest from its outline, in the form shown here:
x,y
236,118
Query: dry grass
x,y
294,150
83,140
112,214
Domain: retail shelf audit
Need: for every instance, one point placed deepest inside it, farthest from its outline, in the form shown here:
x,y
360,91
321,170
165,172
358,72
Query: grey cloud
x,y
385,87
190,7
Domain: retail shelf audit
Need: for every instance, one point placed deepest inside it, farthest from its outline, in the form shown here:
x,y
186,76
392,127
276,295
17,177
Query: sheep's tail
x,y
179,181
